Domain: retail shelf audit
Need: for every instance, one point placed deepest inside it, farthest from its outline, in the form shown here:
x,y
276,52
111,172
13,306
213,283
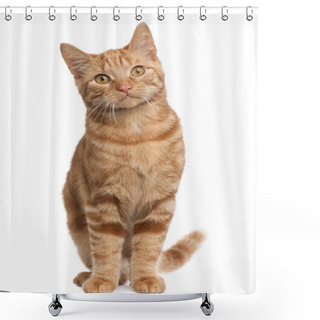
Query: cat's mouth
x,y
129,101
128,96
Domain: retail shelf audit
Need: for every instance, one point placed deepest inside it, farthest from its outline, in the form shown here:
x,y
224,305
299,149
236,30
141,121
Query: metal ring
x,y
51,15
73,15
249,16
93,17
138,16
224,13
116,17
203,12
160,16
28,16
7,16
180,15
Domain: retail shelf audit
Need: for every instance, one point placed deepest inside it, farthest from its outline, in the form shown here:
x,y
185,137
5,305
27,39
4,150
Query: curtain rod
x,y
124,7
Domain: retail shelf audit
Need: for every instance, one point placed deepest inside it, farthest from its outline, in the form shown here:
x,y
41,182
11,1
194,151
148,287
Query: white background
x,y
288,217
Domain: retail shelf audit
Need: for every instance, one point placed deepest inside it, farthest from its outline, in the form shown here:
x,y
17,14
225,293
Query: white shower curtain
x,y
210,74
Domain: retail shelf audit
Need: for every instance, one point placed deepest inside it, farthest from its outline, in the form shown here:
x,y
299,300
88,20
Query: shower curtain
x,y
208,56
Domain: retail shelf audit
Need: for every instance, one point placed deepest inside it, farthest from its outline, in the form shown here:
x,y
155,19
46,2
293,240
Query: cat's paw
x,y
81,278
149,285
95,284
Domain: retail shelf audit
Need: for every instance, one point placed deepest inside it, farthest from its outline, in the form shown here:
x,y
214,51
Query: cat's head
x,y
120,78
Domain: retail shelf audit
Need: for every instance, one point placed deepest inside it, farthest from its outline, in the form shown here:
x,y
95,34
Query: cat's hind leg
x,y
77,225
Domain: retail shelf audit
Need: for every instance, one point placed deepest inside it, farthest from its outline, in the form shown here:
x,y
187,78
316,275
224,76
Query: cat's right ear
x,y
76,60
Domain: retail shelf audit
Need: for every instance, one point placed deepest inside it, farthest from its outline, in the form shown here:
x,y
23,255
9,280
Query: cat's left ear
x,y
77,61
143,42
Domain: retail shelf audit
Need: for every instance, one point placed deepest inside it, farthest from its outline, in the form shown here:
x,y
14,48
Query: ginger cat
x,y
120,190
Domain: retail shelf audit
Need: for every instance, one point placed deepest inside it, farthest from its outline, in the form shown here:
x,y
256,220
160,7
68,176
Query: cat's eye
x,y
137,71
102,79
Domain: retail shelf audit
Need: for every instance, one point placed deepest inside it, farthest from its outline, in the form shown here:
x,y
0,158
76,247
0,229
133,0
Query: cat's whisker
x,y
102,101
110,112
147,101
98,115
153,99
99,99
114,115
94,108
105,109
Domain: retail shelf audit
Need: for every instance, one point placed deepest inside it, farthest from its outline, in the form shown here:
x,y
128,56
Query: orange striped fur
x,y
120,190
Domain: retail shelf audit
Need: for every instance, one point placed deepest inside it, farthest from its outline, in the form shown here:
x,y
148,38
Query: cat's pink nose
x,y
125,88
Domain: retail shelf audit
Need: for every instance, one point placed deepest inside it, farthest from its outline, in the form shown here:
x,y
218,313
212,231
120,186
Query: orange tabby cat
x,y
125,172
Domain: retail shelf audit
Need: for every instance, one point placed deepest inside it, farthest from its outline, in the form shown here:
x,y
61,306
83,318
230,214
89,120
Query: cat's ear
x,y
76,60
142,41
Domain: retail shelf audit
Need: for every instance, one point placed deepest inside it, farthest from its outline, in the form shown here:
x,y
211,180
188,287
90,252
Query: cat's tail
x,y
181,252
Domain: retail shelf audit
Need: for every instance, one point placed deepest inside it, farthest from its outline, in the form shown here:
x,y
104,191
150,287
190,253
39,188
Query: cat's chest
x,y
144,170
140,157
143,157
136,158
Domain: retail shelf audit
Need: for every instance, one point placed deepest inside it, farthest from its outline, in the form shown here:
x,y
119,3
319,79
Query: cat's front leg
x,y
107,234
148,237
